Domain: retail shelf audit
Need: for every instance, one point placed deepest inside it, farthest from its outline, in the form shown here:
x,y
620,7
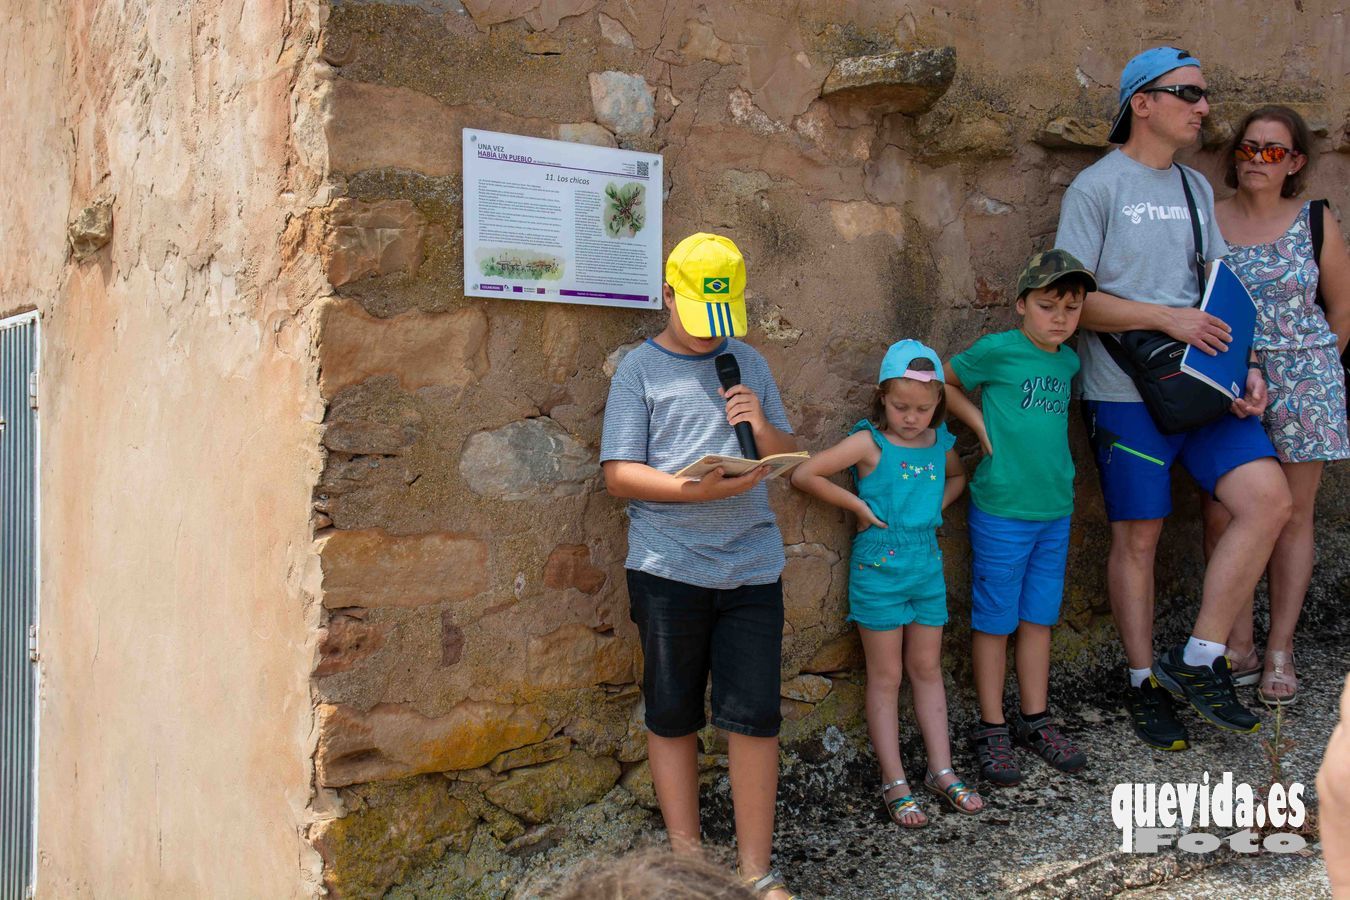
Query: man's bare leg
x,y
1129,577
1257,497
1242,638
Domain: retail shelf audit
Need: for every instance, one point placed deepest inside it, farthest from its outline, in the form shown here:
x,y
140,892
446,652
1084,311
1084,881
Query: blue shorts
x,y
895,579
1135,459
1018,571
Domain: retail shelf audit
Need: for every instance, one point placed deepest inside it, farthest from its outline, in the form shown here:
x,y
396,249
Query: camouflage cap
x,y
1046,268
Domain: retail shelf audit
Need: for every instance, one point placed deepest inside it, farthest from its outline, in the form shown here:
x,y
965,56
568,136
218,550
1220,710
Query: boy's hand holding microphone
x,y
743,413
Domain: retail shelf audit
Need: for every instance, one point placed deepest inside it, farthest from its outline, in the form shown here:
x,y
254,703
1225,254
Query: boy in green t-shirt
x,y
1021,501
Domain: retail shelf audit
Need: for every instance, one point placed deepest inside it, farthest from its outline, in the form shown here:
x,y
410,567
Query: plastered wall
x,y
179,420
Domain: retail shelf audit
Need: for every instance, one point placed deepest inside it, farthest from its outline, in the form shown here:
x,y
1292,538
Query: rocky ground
x,y
1052,836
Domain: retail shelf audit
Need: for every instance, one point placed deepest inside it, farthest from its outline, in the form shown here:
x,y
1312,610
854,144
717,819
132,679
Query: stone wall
x,y
477,622
329,580
152,157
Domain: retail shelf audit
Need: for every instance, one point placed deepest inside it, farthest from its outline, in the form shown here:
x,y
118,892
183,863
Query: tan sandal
x,y
1281,673
1246,669
956,794
902,806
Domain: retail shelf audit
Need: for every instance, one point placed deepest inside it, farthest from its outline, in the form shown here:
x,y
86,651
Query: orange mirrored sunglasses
x,y
1273,153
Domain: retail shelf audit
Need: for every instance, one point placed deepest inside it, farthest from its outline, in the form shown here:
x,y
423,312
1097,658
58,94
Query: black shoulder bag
x,y
1177,401
1315,227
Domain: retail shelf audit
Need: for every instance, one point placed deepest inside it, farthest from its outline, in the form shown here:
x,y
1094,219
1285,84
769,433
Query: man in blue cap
x,y
1129,218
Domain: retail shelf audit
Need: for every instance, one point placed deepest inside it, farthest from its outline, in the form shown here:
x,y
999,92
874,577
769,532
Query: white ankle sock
x,y
1201,653
1139,676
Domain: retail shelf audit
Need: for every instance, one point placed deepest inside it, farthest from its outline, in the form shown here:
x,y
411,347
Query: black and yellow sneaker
x,y
1154,717
1209,690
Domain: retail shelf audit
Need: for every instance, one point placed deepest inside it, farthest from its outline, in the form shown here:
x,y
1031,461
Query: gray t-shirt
x,y
663,410
1129,223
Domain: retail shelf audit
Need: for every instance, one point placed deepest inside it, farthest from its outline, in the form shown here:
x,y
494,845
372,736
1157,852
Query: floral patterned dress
x,y
1306,417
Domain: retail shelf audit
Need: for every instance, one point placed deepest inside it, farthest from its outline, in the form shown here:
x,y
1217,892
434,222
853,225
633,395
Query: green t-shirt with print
x,y
1026,412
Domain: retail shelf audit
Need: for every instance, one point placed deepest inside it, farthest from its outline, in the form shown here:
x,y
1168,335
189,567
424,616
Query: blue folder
x,y
1227,298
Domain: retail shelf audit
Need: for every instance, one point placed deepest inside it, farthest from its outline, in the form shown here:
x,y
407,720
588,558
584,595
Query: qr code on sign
x,y
641,169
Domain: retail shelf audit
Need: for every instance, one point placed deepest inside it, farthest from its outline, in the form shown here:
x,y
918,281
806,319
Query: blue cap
x,y
1140,71
901,354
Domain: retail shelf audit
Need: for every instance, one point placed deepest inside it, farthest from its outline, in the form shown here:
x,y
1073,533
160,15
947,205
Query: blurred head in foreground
x,y
653,873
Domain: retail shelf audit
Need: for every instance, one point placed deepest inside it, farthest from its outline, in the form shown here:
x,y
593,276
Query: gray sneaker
x,y
1044,738
993,748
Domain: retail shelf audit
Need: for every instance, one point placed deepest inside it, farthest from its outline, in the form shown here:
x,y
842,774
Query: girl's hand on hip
x,y
867,518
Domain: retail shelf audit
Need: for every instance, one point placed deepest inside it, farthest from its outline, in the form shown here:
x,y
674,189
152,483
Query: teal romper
x,y
895,573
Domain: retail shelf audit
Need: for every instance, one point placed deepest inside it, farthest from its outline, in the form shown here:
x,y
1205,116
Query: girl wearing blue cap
x,y
906,472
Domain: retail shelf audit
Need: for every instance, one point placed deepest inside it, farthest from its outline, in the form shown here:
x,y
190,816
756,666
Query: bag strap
x,y
1315,217
1114,349
1195,231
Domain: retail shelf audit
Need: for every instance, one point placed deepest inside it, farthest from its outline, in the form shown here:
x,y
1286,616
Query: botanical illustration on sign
x,y
625,213
519,265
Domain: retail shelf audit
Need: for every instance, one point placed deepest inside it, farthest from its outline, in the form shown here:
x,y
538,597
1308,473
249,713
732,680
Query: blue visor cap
x,y
1140,71
902,354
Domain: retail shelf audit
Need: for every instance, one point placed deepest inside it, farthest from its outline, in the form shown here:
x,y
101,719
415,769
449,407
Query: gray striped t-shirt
x,y
663,410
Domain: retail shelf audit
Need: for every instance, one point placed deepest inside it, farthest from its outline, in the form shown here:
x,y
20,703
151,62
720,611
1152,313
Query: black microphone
x,y
729,373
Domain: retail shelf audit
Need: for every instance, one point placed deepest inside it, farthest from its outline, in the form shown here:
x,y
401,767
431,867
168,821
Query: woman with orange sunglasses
x,y
1302,326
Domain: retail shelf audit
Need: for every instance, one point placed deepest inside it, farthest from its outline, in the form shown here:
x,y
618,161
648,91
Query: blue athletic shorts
x,y
1135,459
1018,571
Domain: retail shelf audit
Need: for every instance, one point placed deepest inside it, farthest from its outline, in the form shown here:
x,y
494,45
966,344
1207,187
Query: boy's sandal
x,y
769,881
1246,670
1282,673
994,750
902,806
1051,745
955,793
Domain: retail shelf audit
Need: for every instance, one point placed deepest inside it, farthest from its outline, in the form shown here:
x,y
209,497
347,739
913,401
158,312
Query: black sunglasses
x,y
1191,93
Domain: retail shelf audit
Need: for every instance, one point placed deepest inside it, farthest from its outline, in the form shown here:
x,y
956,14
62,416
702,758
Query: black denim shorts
x,y
688,632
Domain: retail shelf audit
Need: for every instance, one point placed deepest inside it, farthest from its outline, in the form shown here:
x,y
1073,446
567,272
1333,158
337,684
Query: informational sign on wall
x,y
561,222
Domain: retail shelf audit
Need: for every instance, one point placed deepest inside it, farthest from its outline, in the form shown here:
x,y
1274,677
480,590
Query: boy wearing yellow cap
x,y
705,557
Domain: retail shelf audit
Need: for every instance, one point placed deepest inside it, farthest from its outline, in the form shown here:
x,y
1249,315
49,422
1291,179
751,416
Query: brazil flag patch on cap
x,y
706,272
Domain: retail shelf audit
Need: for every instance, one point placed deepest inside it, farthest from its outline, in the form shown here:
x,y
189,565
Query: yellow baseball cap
x,y
707,274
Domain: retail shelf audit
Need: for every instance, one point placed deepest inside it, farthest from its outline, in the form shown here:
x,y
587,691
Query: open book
x,y
1226,297
736,465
